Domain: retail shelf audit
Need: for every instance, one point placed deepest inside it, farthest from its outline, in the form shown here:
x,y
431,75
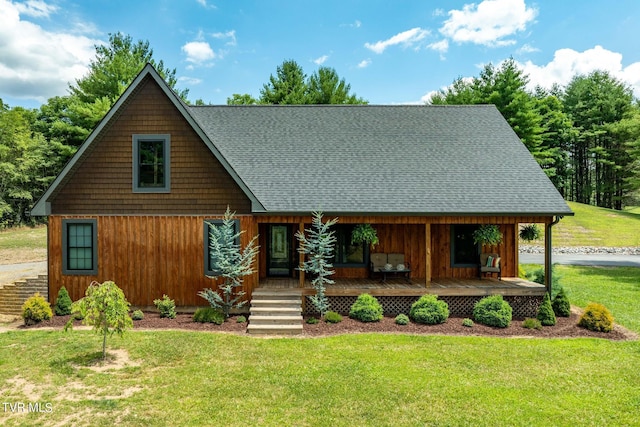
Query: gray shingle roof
x,y
429,160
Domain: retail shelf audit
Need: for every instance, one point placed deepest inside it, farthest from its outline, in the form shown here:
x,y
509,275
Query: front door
x,y
279,254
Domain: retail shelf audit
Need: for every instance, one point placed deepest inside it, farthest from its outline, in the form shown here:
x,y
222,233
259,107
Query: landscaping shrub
x,y
209,315
137,315
332,317
429,310
312,321
596,317
538,277
402,319
366,309
467,322
546,316
166,306
531,323
561,306
63,303
493,311
36,309
241,319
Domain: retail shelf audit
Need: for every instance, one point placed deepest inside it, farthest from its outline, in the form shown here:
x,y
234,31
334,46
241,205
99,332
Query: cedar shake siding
x,y
102,182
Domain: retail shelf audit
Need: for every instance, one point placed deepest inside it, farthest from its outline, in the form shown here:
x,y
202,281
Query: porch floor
x,y
508,286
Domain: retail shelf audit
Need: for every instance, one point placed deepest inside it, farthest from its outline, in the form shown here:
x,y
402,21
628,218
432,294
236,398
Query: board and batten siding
x,y
146,256
102,182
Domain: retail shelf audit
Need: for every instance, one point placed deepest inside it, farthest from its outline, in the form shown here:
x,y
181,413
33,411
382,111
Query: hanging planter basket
x,y
487,235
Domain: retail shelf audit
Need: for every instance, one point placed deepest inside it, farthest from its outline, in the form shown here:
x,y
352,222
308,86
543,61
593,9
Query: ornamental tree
x,y
318,246
105,308
231,264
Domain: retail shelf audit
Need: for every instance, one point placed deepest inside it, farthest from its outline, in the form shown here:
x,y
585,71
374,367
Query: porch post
x,y
427,238
548,247
301,258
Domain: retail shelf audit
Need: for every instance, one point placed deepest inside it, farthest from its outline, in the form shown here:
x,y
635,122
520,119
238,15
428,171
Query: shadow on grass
x,y
70,365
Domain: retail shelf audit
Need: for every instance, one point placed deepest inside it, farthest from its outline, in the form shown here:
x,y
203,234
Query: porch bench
x,y
380,262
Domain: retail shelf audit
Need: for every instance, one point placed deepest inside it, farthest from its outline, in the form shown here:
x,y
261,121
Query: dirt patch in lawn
x,y
566,327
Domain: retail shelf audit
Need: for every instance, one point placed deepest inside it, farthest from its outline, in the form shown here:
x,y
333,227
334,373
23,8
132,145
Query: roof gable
x,y
43,205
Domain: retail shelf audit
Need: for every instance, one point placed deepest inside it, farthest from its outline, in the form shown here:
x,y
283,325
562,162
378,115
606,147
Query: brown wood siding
x,y
147,256
441,253
102,182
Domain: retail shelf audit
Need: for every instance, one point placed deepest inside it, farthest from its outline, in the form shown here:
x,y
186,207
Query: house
x,y
134,203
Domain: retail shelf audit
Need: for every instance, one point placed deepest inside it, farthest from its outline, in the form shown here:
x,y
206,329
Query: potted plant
x,y
530,232
487,235
364,233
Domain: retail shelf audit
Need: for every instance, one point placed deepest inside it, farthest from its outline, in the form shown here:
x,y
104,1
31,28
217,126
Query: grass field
x,y
23,244
187,378
593,226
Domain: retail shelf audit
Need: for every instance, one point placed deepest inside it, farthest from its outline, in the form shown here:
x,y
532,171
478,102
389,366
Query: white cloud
x,y
230,35
406,38
364,63
489,23
198,52
321,60
442,46
527,48
34,63
568,63
35,8
204,4
192,81
355,24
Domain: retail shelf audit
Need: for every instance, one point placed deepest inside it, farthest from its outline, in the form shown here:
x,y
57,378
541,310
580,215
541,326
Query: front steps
x,y
275,312
13,295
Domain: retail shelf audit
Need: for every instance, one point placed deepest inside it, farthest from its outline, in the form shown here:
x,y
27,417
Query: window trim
x,y
166,152
65,247
453,249
206,224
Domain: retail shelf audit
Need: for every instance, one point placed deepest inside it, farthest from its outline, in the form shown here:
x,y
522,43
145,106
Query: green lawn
x,y
24,238
190,378
593,226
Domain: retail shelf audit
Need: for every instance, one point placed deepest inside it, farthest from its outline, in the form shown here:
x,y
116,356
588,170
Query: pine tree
x,y
546,316
318,246
232,264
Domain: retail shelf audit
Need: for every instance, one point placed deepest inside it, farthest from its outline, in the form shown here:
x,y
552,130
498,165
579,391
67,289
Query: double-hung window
x,y
151,163
210,258
80,247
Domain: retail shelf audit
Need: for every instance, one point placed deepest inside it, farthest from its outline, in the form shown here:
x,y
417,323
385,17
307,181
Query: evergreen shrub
x,y
531,323
36,309
546,316
137,315
402,319
467,322
166,306
209,315
596,317
429,310
332,317
63,303
493,311
241,319
312,320
561,305
366,309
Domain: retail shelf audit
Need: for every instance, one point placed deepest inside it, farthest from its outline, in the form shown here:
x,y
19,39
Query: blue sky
x,y
391,52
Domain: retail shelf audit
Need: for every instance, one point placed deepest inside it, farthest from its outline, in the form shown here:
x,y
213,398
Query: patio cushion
x,y
395,259
378,261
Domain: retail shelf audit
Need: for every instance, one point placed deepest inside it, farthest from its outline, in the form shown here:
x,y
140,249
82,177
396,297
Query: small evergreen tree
x,y
105,308
561,305
546,316
318,247
63,302
232,264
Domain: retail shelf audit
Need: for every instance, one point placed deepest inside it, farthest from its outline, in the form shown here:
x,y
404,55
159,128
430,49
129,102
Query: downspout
x,y
548,280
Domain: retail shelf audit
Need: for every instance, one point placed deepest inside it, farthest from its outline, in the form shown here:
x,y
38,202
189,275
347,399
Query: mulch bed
x,y
566,327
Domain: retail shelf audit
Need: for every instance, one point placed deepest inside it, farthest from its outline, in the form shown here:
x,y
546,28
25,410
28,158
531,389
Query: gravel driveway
x,y
9,273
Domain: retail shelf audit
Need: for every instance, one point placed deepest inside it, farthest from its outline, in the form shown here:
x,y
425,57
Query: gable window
x,y
151,163
346,254
464,253
210,261
79,247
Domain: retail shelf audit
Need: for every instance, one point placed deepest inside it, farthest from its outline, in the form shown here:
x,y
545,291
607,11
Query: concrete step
x,y
275,311
257,319
276,303
274,329
260,292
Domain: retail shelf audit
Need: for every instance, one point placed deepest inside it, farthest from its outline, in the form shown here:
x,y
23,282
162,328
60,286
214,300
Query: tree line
x,y
585,136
